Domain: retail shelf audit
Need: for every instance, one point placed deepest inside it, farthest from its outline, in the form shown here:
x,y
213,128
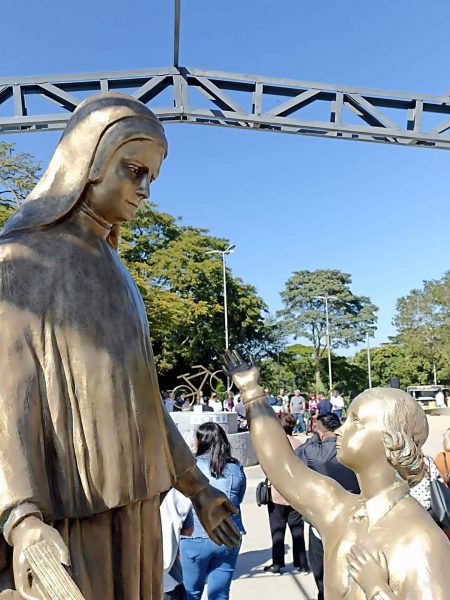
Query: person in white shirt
x,y
338,403
176,520
215,403
440,399
284,399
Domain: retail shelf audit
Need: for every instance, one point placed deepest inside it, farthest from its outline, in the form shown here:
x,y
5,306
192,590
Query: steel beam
x,y
176,33
180,94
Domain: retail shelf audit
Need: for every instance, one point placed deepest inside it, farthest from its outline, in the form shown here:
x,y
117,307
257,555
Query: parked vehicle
x,y
426,395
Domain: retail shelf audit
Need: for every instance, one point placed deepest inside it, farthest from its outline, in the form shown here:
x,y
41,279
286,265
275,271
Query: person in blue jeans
x,y
202,560
297,406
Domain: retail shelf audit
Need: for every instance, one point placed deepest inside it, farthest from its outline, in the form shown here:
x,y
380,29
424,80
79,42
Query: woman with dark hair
x,y
203,561
282,514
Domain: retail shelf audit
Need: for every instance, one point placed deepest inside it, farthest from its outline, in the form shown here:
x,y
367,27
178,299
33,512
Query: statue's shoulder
x,y
22,242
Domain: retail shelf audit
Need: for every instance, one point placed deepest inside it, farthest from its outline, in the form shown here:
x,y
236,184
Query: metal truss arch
x,y
185,95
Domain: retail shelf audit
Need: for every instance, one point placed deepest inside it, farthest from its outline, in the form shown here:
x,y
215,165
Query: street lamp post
x,y
369,367
325,299
224,253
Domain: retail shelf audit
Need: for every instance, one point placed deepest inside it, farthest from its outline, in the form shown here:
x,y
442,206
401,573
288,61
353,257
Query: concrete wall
x,y
189,421
241,447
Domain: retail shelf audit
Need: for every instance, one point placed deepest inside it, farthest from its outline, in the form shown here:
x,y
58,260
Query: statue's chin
x,y
341,457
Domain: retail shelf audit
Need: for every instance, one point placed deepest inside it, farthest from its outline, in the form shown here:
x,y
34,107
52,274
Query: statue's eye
x,y
133,169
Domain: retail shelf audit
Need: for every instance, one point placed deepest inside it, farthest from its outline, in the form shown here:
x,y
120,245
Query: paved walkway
x,y
250,581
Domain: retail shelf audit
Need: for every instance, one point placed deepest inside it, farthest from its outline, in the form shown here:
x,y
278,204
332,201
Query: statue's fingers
x,y
223,539
237,358
353,564
61,551
229,528
381,560
251,360
230,507
227,539
214,538
227,355
357,555
227,364
229,359
354,573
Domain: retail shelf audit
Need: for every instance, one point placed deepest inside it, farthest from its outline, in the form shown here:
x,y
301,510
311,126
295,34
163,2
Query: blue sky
x,y
289,203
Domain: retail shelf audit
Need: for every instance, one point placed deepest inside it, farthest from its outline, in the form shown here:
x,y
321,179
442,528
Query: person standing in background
x,y
440,398
338,403
297,407
176,519
324,406
442,462
283,399
229,402
281,514
443,458
215,403
202,560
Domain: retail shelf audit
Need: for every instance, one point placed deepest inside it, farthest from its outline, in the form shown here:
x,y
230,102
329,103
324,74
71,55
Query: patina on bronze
x,y
86,447
382,544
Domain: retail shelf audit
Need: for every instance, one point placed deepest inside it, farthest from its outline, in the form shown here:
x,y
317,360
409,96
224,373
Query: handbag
x,y
263,492
440,502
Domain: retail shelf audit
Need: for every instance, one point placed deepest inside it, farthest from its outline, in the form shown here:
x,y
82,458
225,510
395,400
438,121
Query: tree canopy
x,y
423,321
351,317
182,287
18,175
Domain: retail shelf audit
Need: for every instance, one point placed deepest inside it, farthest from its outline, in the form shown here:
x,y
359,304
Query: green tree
x,y
18,175
303,315
182,288
423,321
396,359
349,378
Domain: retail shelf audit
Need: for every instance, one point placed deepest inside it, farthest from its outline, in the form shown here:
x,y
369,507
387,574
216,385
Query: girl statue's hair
x,y
405,432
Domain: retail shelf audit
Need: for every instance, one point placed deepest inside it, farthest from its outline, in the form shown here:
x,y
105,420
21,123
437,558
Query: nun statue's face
x,y
126,180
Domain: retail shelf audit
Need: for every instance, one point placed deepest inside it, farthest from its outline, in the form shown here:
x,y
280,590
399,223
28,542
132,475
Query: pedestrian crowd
x,y
305,408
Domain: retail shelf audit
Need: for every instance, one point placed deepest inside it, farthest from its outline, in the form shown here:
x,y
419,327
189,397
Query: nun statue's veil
x,y
99,126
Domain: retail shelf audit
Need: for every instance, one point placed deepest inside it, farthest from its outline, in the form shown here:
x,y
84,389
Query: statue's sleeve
x,y
22,462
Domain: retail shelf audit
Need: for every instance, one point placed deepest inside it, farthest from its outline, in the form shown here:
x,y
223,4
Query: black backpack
x,y
263,492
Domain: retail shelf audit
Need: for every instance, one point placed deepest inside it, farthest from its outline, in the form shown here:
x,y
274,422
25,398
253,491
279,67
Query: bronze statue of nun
x,y
86,447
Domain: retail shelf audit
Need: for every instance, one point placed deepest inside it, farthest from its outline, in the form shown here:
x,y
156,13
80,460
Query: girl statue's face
x,y
359,441
126,180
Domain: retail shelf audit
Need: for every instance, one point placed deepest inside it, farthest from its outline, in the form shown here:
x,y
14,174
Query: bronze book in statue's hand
x,y
51,577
